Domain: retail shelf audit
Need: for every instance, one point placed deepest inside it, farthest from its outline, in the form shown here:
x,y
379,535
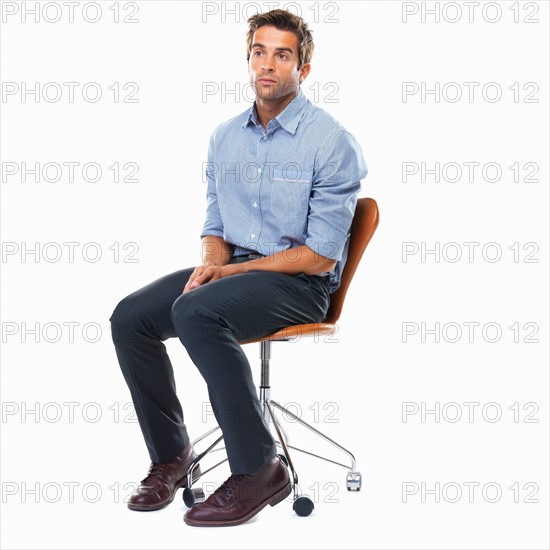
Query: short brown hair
x,y
284,21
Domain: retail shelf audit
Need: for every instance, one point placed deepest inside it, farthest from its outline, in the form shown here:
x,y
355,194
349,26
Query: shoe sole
x,y
161,505
275,499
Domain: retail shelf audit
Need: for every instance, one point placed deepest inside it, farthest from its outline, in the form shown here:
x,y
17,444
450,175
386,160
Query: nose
x,y
267,64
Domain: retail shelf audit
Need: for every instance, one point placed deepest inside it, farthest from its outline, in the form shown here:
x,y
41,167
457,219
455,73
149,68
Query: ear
x,y
304,71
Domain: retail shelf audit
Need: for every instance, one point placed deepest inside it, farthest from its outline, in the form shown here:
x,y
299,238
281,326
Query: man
x,y
283,179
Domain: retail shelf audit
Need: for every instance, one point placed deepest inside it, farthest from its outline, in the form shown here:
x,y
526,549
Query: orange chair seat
x,y
297,331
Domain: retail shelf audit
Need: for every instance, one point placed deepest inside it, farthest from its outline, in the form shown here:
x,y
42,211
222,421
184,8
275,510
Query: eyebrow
x,y
258,45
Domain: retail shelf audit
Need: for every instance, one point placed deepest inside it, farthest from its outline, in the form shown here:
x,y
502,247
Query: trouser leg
x,y
212,319
140,323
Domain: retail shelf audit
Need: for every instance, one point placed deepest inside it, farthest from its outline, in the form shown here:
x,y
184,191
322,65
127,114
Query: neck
x,y
268,109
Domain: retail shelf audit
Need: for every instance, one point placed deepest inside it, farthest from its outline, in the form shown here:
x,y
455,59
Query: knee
x,y
124,312
192,319
125,319
183,313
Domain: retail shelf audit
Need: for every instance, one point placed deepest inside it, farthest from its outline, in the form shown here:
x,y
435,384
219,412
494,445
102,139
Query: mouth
x,y
265,81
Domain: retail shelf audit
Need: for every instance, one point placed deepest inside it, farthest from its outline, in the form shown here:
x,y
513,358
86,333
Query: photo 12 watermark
x,y
69,252
469,412
69,92
469,252
451,492
70,12
93,492
67,412
469,172
237,92
452,332
69,172
469,92
316,413
238,12
469,12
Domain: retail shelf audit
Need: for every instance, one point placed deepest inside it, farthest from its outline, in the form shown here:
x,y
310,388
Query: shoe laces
x,y
155,470
229,487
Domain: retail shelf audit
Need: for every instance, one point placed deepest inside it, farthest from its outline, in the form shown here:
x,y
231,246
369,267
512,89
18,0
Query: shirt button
x,y
255,204
259,170
252,235
264,138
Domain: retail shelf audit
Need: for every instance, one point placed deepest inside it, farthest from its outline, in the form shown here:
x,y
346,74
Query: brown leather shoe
x,y
242,496
159,488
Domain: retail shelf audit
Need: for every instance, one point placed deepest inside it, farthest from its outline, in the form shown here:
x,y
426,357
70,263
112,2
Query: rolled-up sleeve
x,y
213,224
338,171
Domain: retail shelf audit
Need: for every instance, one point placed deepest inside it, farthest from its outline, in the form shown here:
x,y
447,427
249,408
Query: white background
x,y
365,51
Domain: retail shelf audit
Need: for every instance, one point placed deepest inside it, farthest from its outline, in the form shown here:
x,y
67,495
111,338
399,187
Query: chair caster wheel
x,y
303,506
353,481
283,459
193,496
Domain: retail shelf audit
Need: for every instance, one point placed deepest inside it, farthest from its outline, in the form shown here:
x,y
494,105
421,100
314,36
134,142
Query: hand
x,y
204,274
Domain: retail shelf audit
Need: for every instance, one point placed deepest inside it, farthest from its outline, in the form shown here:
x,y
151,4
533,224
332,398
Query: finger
x,y
193,284
195,274
192,277
208,274
198,271
200,280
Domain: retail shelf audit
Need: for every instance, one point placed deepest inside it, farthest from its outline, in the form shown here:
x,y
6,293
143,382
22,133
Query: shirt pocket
x,y
290,190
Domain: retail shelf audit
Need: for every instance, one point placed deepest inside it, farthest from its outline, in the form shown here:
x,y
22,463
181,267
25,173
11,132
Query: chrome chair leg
x,y
353,479
194,495
302,504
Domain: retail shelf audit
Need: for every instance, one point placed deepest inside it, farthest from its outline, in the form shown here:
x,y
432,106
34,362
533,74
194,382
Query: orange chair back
x,y
365,222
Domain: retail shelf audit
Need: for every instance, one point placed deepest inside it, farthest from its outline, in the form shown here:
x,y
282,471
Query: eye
x,y
283,56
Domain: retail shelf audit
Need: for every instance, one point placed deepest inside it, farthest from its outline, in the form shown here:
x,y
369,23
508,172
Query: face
x,y
273,64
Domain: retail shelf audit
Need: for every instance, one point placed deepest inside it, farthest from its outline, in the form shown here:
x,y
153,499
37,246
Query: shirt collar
x,y
288,118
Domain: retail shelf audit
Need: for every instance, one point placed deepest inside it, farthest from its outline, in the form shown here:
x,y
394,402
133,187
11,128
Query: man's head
x,y
279,47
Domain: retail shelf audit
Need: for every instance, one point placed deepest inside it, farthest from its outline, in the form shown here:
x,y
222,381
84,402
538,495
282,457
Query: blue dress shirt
x,y
291,184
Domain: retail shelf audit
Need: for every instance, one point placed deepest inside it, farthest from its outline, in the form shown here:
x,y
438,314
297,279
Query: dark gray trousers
x,y
210,321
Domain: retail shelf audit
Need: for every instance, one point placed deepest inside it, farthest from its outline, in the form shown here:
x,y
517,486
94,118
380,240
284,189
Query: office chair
x,y
365,222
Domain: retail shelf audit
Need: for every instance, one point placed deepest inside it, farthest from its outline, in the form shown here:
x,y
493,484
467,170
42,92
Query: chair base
x,y
353,479
302,504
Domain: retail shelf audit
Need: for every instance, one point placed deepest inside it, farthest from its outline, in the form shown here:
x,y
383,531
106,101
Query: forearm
x,y
296,260
292,261
215,251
